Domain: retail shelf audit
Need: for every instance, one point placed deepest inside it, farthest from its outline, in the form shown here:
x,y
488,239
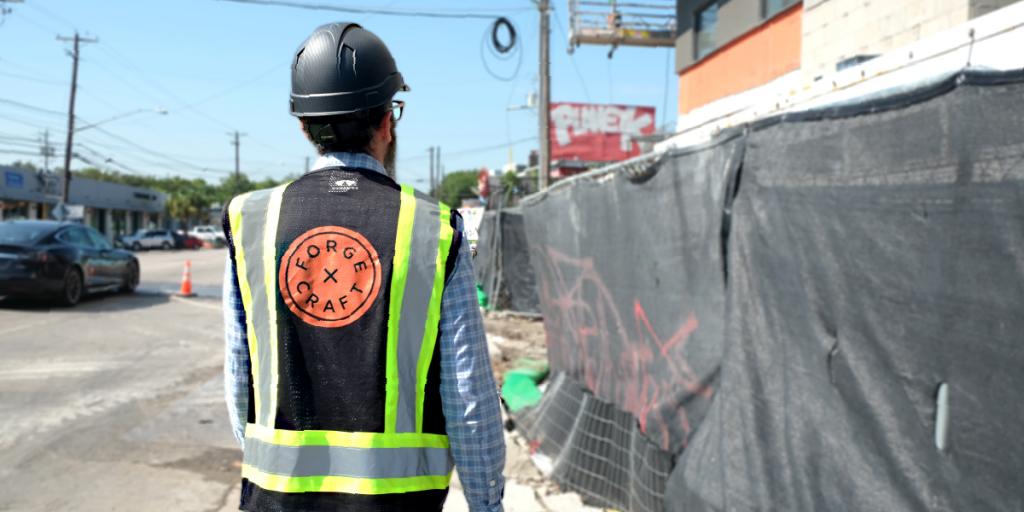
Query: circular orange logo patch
x,y
330,276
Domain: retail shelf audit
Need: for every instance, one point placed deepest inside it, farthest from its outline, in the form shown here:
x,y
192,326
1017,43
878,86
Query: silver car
x,y
149,239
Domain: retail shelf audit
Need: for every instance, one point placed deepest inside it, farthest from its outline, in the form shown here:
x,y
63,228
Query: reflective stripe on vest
x,y
402,458
254,236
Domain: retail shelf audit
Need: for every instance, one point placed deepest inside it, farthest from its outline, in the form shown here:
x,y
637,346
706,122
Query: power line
x,y
114,136
158,154
11,136
21,143
138,86
146,159
572,58
138,147
51,15
18,152
28,69
110,160
127,63
471,151
8,117
40,26
233,88
382,12
26,106
31,79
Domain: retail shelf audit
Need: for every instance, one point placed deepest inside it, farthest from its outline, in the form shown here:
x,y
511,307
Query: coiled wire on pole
x,y
501,50
496,30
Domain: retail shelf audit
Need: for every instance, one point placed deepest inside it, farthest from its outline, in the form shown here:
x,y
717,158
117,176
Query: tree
x,y
26,166
457,186
510,188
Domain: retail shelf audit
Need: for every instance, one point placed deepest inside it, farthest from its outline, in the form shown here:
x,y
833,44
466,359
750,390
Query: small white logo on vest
x,y
344,185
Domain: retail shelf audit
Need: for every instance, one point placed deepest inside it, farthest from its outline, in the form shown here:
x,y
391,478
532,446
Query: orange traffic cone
x,y
186,281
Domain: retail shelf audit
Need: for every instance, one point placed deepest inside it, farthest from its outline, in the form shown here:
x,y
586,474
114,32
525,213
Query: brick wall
x,y
834,30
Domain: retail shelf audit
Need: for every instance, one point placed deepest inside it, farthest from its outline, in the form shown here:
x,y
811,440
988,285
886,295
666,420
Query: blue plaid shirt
x,y
468,392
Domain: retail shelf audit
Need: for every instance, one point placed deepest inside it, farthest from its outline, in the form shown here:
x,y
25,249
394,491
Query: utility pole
x,y
440,169
432,184
77,40
544,109
307,165
237,144
47,150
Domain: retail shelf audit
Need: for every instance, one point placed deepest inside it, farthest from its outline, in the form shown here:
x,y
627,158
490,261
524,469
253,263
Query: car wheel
x,y
136,246
131,280
73,287
165,246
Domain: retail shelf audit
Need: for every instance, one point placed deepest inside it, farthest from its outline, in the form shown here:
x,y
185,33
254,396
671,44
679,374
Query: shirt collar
x,y
342,159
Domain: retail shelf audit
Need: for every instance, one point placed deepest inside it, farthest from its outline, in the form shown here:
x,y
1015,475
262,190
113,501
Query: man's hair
x,y
349,133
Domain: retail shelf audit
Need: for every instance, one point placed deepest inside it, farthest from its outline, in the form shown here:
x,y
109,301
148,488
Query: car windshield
x,y
17,233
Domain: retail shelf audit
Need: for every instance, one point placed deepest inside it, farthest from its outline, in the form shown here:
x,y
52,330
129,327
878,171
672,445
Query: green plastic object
x,y
520,387
481,297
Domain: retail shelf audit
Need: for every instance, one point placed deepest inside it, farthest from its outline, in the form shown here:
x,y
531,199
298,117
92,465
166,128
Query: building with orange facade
x,y
727,47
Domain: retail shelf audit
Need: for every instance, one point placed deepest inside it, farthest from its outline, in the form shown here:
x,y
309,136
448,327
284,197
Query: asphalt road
x,y
117,404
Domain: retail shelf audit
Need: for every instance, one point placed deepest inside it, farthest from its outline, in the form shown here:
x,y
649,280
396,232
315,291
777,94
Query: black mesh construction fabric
x,y
872,256
502,263
630,276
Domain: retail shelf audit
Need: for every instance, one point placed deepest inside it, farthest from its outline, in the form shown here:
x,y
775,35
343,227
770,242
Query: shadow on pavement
x,y
101,302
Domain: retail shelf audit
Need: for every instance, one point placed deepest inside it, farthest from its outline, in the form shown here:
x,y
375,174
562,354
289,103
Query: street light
x,y
160,111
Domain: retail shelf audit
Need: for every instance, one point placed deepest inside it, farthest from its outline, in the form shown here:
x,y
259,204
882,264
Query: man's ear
x,y
385,127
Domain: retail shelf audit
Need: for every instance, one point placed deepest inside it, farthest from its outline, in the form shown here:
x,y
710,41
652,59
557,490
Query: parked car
x,y
50,259
183,240
212,234
149,239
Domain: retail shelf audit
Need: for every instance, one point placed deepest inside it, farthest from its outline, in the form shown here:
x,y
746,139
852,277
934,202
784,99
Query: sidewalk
x,y
511,339
526,489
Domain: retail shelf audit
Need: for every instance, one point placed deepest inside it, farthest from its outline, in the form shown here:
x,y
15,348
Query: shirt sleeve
x,y
236,353
469,395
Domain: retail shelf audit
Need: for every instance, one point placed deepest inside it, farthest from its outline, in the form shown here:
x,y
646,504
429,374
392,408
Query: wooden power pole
x,y
544,108
68,149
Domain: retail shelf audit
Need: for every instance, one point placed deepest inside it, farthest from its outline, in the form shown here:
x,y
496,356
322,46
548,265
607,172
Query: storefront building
x,y
113,209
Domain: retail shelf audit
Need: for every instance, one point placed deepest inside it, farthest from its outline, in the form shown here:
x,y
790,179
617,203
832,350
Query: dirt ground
x,y
513,338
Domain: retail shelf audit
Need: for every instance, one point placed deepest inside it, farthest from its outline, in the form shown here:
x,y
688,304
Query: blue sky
x,y
217,66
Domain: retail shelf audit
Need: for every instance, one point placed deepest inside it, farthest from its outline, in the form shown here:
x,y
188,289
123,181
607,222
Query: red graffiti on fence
x,y
588,338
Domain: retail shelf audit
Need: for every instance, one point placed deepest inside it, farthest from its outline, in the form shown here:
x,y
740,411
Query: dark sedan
x,y
63,261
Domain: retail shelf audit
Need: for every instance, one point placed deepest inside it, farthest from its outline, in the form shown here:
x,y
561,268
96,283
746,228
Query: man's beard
x,y
392,152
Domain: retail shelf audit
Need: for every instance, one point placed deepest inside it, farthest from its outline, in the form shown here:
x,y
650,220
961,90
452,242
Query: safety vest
x,y
327,272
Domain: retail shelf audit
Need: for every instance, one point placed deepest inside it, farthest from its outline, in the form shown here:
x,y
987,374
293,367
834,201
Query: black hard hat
x,y
340,69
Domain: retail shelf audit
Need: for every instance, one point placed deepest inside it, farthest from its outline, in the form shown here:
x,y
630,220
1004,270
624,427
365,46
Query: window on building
x,y
773,7
13,210
707,28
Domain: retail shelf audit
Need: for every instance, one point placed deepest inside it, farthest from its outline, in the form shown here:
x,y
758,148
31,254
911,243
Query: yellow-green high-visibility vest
x,y
399,459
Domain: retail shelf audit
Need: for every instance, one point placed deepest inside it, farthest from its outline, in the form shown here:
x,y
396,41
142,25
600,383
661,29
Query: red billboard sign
x,y
599,133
